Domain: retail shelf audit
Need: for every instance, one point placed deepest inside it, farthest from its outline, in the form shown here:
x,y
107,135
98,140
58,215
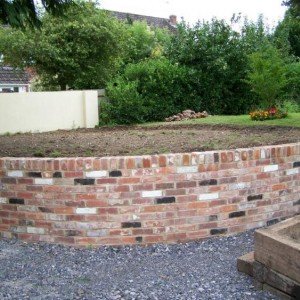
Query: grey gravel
x,y
195,270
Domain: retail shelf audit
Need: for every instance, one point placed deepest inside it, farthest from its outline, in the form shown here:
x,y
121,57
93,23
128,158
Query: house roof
x,y
9,75
151,21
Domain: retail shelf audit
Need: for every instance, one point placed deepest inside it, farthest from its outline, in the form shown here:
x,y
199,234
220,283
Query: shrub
x,y
267,75
150,90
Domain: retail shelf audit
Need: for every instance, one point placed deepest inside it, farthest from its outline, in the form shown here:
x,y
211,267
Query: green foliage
x,y
289,106
125,105
144,42
267,75
217,58
292,88
80,51
288,33
19,13
149,90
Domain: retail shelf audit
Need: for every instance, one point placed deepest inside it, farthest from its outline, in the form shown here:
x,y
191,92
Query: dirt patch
x,y
138,140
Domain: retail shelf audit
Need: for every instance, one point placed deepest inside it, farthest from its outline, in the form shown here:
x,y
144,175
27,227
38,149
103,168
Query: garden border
x,y
148,199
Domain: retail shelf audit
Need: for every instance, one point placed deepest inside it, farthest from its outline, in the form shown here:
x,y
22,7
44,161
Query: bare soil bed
x,y
139,140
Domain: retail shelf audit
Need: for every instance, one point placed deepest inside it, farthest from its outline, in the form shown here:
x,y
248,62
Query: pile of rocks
x,y
186,115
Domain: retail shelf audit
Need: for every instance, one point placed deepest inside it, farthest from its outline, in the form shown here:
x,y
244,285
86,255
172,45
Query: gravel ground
x,y
196,270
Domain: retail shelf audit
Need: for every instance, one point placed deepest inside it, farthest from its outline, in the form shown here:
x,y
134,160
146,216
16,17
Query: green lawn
x,y
293,119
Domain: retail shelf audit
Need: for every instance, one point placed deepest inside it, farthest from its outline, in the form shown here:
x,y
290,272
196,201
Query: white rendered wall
x,y
47,111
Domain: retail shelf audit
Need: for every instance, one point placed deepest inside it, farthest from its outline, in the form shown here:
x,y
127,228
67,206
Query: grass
x,y
293,119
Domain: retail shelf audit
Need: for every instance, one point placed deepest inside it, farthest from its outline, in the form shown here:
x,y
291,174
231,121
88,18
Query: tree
x,y
19,13
267,75
293,4
287,33
82,50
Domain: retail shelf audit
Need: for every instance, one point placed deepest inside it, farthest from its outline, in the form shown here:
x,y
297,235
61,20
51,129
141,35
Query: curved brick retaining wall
x,y
148,199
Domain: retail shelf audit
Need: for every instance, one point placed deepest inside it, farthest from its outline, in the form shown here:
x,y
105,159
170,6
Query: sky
x,y
193,10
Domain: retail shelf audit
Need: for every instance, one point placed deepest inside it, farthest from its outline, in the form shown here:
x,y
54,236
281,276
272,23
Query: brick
x,y
16,201
296,164
15,173
131,224
57,175
218,231
255,197
139,239
96,174
115,173
212,218
9,180
189,169
296,202
216,157
270,168
272,222
96,233
150,194
34,174
165,200
86,210
186,184
108,180
162,161
3,200
239,186
209,196
84,181
35,230
43,181
208,182
237,214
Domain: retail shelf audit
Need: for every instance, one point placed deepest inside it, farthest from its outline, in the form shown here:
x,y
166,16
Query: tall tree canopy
x,y
80,50
19,13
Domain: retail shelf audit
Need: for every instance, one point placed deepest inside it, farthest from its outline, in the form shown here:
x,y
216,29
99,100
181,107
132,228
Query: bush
x,y
150,90
126,105
267,75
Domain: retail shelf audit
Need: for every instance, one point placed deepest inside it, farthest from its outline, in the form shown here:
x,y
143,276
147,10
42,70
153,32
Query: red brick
x,y
146,162
162,161
186,160
130,163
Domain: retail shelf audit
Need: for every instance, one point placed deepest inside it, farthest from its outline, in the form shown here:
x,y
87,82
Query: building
x,y
13,80
170,23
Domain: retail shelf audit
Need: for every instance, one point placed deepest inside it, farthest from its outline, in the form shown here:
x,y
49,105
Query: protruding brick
x,y
36,230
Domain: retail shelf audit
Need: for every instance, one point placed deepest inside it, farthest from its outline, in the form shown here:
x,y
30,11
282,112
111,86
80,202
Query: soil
x,y
139,140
